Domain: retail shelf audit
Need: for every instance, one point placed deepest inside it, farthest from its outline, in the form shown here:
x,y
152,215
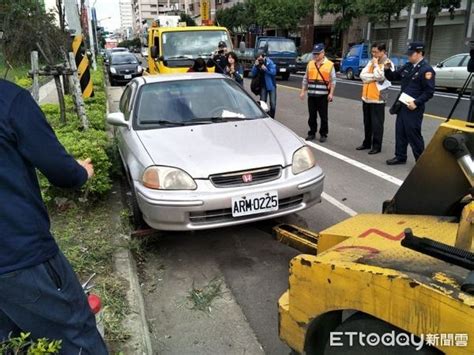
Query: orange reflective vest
x,y
370,91
319,80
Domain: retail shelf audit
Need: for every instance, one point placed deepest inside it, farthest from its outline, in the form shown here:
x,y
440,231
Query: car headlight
x,y
139,69
166,178
303,159
113,70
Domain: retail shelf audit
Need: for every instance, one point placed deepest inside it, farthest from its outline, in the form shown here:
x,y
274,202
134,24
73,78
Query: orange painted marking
x,y
382,234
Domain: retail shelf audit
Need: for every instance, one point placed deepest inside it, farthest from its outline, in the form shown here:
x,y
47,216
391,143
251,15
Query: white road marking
x,y
393,88
357,164
338,204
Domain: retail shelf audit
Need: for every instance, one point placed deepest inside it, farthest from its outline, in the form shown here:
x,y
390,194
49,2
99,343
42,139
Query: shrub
x,y
25,83
91,144
24,345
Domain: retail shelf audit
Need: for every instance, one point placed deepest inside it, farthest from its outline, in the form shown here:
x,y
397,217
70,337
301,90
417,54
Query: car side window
x,y
125,100
464,61
453,61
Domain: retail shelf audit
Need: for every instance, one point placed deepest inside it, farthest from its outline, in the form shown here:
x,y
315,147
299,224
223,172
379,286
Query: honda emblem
x,y
247,178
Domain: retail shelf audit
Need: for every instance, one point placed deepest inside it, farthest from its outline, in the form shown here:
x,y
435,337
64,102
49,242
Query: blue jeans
x,y
47,301
264,94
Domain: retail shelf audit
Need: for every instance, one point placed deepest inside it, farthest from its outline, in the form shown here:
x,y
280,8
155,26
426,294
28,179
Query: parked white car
x,y
452,72
200,153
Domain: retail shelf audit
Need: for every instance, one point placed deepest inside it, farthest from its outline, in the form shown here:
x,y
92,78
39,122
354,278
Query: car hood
x,y
204,150
130,67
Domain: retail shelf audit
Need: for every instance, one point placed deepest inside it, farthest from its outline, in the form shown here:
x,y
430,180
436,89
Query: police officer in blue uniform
x,y
418,81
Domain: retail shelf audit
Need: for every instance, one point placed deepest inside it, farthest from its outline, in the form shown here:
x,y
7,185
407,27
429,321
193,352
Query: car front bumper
x,y
210,207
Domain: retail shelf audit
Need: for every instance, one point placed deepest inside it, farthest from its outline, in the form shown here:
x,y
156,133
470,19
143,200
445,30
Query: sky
x,y
106,9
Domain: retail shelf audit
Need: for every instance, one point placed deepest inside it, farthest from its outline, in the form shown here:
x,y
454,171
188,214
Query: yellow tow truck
x,y
174,49
400,282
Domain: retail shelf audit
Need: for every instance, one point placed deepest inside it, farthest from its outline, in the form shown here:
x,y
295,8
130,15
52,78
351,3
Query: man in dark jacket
x,y
219,58
39,291
418,83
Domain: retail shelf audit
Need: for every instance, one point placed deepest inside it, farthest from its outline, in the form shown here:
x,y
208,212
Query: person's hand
x,y
302,94
387,64
375,61
264,67
411,105
87,164
330,97
256,62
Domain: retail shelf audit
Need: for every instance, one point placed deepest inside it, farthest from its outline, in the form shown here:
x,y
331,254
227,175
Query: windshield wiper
x,y
222,119
179,57
164,123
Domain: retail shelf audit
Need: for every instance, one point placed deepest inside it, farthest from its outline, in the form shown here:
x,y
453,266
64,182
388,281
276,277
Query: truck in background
x,y
281,50
174,49
358,57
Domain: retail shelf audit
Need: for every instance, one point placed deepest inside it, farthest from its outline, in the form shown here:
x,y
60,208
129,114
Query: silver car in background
x,y
200,153
452,72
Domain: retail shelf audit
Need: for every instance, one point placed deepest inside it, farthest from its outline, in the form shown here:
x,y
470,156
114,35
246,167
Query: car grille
x,y
127,71
225,215
236,179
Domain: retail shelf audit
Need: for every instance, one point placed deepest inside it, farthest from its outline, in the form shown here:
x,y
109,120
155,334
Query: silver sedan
x,y
452,73
200,153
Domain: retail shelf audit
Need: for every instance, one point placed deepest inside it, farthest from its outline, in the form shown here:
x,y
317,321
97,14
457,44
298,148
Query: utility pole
x,y
91,35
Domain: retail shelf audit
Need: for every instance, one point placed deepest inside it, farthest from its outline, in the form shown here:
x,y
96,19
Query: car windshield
x,y
192,44
194,101
280,46
118,59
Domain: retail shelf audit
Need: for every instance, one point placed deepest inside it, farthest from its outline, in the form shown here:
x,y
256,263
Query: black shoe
x,y
323,139
374,151
395,161
310,137
362,147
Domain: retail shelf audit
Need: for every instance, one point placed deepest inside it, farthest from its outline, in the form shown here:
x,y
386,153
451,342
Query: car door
x,y
445,71
352,58
460,72
123,134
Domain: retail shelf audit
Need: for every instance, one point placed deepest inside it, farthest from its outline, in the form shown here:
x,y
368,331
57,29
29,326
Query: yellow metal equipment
x,y
358,277
172,49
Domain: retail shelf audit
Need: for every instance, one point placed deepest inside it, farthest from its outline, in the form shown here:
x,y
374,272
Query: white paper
x,y
384,85
405,98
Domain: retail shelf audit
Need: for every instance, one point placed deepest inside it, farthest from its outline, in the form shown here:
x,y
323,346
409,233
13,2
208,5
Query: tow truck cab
x,y
174,49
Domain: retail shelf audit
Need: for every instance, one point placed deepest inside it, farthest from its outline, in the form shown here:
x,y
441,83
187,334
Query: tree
x,y
188,19
434,8
345,10
27,27
237,18
383,11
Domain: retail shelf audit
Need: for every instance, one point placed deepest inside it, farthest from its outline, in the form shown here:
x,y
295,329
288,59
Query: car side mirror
x,y
117,119
154,52
264,106
439,65
106,62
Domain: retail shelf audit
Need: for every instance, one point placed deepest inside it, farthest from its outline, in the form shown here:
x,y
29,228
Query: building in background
x,y
451,33
145,11
126,18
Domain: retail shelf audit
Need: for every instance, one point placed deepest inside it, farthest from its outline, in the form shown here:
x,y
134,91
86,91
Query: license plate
x,y
283,70
128,76
254,203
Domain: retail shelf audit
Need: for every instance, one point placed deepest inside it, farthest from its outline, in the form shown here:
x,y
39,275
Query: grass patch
x,y
86,233
202,298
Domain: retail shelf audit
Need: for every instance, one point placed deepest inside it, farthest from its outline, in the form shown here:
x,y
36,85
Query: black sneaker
x,y
310,137
396,161
323,139
362,147
374,151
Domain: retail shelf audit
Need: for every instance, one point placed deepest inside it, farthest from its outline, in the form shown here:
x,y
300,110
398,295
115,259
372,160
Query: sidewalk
x,y
48,93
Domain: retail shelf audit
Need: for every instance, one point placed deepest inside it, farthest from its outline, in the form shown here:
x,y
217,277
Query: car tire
x,y
285,76
350,74
136,218
362,323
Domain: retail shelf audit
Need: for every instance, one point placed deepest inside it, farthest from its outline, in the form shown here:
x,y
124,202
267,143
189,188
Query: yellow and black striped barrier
x,y
83,68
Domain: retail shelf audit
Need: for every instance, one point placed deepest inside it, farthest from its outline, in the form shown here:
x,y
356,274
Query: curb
x,y
136,322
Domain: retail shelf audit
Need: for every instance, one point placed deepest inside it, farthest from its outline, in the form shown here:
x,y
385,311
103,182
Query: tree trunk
x,y
389,28
429,30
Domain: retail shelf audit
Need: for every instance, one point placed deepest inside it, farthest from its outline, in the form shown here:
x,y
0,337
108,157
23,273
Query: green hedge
x,y
93,143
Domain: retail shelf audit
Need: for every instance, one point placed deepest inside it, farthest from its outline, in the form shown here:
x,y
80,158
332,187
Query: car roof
x,y
159,78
